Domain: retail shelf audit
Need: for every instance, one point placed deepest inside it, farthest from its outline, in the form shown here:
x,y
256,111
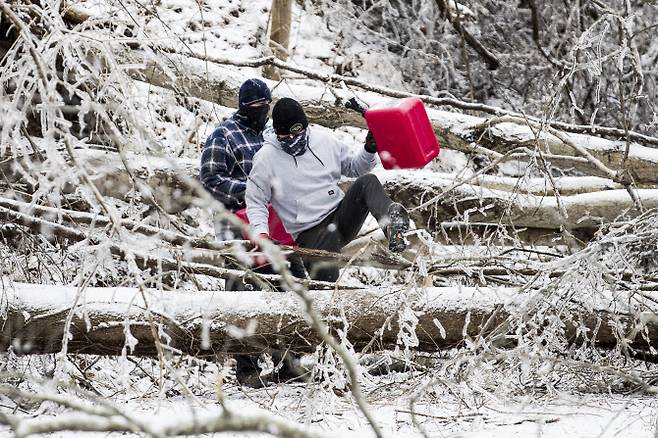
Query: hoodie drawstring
x,y
309,148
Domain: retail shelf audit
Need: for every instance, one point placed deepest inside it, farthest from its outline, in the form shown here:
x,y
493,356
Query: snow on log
x,y
432,197
209,81
109,320
434,200
564,185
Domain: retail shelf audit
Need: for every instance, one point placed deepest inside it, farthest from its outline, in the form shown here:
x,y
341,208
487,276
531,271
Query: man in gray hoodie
x,y
297,170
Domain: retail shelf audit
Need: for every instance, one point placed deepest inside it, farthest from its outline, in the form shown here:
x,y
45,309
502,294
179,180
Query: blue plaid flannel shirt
x,y
227,159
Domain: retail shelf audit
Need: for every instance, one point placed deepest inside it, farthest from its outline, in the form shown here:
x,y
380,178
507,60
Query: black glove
x,y
371,144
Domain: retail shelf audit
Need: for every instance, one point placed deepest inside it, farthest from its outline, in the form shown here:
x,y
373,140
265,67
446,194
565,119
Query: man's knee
x,y
368,180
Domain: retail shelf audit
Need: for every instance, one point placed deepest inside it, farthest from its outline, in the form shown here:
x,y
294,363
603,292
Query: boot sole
x,y
399,224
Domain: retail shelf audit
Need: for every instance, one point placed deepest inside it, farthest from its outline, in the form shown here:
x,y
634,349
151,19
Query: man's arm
x,y
259,194
214,174
353,164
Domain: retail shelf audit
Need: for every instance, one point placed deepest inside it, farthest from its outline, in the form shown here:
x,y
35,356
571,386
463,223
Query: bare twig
x,y
492,61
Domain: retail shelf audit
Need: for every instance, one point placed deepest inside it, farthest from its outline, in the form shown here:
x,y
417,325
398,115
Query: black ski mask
x,y
255,116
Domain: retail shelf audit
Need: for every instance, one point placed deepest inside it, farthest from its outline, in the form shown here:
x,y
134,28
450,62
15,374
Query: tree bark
x,y
105,321
281,18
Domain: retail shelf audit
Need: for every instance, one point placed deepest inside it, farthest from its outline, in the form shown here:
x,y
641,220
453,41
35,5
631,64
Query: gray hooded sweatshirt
x,y
303,190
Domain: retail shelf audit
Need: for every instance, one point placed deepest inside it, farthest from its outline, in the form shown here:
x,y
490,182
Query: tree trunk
x,y
105,321
281,17
431,204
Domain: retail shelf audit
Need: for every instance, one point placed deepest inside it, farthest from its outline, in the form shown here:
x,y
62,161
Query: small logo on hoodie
x,y
331,192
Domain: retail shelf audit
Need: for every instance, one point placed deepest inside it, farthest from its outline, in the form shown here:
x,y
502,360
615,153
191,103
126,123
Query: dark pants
x,y
366,195
286,365
247,369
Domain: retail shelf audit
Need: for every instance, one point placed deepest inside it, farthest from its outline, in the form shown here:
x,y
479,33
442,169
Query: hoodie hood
x,y
269,137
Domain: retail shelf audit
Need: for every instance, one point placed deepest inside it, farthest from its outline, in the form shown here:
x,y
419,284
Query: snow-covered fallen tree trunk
x,y
114,320
565,185
432,198
169,184
209,81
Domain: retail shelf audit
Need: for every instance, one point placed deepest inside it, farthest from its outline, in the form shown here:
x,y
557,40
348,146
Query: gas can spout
x,y
356,106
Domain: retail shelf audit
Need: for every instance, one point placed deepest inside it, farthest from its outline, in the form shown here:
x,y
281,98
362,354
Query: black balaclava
x,y
255,116
254,91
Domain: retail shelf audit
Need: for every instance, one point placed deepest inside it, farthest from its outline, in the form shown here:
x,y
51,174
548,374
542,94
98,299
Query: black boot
x,y
398,224
289,369
247,371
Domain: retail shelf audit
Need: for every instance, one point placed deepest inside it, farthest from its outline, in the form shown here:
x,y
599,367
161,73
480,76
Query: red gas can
x,y
404,135
277,230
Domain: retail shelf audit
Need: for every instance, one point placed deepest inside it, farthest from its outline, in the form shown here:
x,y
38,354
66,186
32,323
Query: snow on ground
x,y
480,415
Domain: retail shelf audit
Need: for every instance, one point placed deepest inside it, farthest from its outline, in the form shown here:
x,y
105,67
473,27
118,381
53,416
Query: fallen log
x,y
169,181
565,185
114,320
433,199
203,79
432,202
639,161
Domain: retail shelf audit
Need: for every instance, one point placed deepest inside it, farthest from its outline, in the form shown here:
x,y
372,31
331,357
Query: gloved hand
x,y
370,144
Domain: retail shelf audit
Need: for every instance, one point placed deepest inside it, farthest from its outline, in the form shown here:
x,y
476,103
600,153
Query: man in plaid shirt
x,y
227,156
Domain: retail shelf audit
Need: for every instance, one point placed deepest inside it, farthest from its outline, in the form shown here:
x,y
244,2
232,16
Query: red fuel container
x,y
277,230
404,135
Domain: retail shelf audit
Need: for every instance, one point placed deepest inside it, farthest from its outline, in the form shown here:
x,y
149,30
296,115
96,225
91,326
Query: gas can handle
x,y
356,106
